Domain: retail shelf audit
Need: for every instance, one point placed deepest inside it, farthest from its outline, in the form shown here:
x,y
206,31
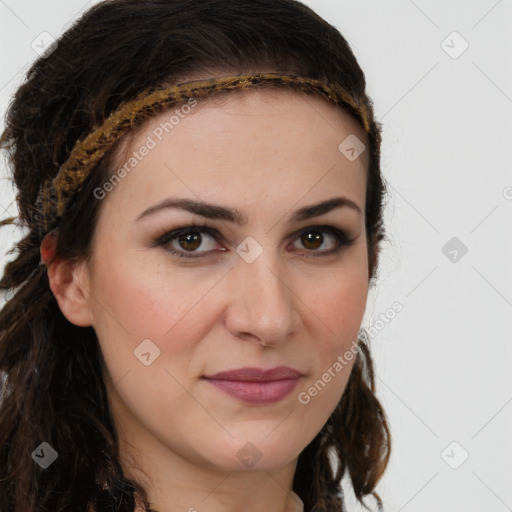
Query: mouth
x,y
257,385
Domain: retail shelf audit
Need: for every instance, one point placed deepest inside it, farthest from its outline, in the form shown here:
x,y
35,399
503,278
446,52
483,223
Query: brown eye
x,y
312,240
190,242
185,242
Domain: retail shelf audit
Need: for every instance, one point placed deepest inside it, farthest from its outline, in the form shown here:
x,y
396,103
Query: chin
x,y
258,452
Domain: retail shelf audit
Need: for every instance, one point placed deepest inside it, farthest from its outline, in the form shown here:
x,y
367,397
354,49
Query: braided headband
x,y
88,151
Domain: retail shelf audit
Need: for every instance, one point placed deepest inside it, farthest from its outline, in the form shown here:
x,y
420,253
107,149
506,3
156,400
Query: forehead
x,y
281,144
276,103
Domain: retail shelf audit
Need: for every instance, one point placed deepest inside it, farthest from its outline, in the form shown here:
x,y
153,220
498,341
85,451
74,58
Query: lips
x,y
257,385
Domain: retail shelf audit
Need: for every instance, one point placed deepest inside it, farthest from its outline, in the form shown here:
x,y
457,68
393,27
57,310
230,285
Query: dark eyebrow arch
x,y
212,211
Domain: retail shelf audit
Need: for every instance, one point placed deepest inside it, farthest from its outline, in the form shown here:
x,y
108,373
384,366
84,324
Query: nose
x,y
262,305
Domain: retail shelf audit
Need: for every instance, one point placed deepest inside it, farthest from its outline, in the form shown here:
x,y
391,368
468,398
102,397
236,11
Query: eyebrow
x,y
213,211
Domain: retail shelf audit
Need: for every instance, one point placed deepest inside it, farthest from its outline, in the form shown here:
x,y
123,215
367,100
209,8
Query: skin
x,y
265,153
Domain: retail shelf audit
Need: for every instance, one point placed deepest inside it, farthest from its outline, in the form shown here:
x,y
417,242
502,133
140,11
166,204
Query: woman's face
x,y
270,280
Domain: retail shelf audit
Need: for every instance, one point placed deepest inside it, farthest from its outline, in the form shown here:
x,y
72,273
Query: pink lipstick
x,y
257,385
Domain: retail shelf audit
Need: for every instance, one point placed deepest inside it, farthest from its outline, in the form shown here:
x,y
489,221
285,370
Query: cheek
x,y
135,300
339,300
135,305
339,305
142,297
343,306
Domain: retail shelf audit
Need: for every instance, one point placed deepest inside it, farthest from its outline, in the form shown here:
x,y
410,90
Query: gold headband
x,y
88,151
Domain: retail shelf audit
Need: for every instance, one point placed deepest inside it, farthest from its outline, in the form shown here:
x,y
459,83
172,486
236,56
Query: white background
x,y
444,362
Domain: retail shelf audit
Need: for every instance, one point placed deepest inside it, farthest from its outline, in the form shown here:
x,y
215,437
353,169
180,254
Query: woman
x,y
201,186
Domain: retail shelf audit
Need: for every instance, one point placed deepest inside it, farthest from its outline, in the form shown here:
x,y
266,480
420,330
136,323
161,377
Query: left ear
x,y
69,282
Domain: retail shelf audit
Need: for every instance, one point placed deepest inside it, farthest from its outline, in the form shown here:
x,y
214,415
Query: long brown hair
x,y
53,388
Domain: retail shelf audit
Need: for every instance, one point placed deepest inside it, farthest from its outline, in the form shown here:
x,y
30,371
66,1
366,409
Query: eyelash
x,y
165,238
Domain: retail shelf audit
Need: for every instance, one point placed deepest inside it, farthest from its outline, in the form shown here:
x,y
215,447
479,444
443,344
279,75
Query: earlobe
x,y
69,284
